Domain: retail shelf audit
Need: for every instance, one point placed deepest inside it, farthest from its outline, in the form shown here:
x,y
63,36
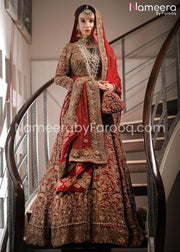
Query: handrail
x,y
149,150
13,172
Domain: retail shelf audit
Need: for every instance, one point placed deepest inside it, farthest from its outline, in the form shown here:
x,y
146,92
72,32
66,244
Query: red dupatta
x,y
109,64
78,177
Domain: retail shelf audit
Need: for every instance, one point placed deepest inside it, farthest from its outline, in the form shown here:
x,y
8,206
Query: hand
x,y
105,85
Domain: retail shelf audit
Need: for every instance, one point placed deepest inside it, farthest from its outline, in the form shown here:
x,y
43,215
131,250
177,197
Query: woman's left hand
x,y
105,85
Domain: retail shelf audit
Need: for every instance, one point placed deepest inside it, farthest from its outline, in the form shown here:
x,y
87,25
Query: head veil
x,y
108,59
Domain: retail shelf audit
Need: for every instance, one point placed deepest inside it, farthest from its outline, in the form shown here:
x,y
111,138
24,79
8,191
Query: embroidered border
x,y
102,49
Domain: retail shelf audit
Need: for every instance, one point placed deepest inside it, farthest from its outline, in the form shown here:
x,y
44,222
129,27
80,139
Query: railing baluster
x,y
123,72
11,215
28,155
164,99
54,99
35,152
46,132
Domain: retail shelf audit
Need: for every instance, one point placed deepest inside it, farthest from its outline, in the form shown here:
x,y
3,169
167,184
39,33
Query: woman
x,y
86,193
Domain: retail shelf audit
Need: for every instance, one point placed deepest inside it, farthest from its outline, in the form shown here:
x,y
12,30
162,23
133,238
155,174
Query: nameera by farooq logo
x,y
158,9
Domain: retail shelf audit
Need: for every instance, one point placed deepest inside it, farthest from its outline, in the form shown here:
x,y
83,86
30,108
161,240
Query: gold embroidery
x,y
102,45
74,217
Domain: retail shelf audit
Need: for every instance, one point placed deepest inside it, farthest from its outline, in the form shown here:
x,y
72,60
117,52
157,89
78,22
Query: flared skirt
x,y
104,214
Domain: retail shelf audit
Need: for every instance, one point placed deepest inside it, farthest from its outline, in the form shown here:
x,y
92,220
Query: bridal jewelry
x,y
92,59
78,32
87,11
87,40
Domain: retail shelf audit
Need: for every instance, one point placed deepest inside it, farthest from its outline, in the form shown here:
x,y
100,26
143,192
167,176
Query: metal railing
x,y
136,59
156,194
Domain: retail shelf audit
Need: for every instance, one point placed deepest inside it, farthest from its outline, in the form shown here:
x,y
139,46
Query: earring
x,y
79,32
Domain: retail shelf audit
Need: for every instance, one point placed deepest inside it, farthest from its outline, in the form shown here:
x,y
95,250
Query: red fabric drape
x,y
112,74
76,141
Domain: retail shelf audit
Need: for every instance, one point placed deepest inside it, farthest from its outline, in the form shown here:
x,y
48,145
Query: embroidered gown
x,y
98,205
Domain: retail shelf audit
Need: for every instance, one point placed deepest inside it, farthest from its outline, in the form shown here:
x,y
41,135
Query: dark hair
x,y
81,9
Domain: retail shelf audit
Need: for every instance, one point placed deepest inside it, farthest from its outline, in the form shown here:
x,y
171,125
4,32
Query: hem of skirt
x,y
89,233
96,233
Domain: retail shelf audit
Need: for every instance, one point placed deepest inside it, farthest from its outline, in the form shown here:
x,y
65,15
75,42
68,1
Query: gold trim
x,y
102,49
97,153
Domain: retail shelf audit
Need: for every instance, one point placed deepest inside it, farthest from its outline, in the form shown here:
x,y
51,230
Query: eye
x,y
91,21
82,20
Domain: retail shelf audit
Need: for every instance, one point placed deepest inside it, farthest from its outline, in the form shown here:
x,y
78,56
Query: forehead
x,y
85,16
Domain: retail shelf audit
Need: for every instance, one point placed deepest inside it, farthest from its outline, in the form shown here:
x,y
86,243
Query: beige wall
x,y
53,22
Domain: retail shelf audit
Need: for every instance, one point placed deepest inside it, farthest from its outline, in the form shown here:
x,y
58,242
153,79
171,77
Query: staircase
x,y
24,181
135,153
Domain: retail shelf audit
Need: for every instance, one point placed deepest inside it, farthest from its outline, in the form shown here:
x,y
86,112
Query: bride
x,y
86,193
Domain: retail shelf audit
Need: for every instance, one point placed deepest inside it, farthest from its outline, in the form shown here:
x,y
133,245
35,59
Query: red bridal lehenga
x,y
86,193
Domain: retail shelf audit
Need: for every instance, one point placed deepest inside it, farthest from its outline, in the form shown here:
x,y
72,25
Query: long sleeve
x,y
63,69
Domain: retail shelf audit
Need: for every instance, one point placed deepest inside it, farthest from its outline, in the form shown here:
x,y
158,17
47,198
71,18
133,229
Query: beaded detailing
x,y
91,56
87,40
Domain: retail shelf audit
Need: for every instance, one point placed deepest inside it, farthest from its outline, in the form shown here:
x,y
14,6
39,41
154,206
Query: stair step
x,y
172,107
126,127
140,189
138,178
91,250
128,135
132,145
139,155
136,135
135,166
129,250
86,248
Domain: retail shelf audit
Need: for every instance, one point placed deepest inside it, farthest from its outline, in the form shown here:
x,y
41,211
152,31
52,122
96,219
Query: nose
x,y
87,23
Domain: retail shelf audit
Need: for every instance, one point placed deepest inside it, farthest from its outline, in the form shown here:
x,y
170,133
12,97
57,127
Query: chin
x,y
87,34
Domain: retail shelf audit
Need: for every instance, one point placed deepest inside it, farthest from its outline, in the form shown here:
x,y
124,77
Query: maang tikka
x,y
87,12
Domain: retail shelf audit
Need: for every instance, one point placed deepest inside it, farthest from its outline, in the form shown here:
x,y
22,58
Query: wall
x,y
170,165
53,22
170,172
11,39
172,243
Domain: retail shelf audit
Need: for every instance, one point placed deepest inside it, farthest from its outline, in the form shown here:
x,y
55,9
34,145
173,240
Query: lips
x,y
87,30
